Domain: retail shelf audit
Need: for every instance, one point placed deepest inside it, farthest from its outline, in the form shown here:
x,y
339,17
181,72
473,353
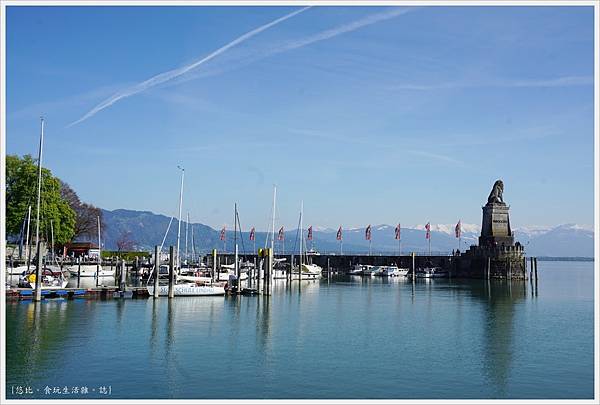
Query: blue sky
x,y
368,114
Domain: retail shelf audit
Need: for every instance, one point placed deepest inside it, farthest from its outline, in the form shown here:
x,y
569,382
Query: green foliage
x,y
129,256
21,192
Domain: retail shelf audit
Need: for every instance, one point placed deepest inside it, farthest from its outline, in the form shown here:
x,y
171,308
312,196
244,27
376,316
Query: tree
x,y
86,221
125,243
21,191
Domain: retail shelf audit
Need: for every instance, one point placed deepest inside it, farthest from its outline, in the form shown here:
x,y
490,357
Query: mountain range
x,y
146,229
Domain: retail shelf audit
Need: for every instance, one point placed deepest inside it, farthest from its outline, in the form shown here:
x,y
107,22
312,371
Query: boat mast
x,y
38,269
301,241
178,264
273,220
99,253
27,242
236,266
52,239
186,236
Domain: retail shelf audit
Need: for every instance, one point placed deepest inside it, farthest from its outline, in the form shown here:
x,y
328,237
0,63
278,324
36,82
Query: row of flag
x,y
281,234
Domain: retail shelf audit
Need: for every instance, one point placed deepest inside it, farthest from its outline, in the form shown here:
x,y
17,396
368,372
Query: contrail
x,y
342,29
171,74
257,55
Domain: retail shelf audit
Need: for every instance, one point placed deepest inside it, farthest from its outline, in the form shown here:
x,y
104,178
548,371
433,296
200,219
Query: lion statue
x,y
496,193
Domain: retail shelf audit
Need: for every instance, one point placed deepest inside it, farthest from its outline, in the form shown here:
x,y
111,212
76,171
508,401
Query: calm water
x,y
349,338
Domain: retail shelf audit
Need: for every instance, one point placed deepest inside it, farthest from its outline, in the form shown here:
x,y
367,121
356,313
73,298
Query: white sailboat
x,y
92,270
186,286
307,271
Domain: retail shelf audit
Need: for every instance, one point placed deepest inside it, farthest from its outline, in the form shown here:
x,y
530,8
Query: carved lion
x,y
496,193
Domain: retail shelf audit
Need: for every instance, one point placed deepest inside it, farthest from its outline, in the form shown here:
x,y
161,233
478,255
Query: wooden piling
x,y
171,271
214,265
258,269
78,271
489,267
535,268
531,268
156,269
238,274
413,266
270,269
123,283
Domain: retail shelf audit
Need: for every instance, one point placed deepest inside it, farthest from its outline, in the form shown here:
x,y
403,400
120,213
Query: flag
x,y
428,229
458,229
280,234
223,233
252,234
309,236
368,233
339,234
397,237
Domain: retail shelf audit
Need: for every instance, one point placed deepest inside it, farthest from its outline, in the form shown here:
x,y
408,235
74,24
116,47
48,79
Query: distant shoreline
x,y
564,259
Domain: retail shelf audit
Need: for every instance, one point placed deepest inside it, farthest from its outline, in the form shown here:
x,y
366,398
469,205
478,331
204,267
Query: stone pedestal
x,y
495,227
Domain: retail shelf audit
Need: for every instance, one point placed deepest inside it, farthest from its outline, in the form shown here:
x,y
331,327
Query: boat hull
x,y
188,290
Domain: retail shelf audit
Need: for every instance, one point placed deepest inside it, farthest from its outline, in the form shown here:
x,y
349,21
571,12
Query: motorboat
x,y
431,272
90,270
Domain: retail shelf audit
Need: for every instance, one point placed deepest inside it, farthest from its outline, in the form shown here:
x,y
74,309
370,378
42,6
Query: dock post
x,y
171,271
78,270
238,273
98,271
328,268
123,283
214,265
489,267
510,269
535,268
156,270
258,269
413,265
531,268
270,264
524,268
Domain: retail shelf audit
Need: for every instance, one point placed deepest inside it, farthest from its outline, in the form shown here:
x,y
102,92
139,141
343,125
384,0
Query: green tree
x,y
21,191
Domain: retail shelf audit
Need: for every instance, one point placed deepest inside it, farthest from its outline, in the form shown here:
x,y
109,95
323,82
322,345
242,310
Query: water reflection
x,y
499,298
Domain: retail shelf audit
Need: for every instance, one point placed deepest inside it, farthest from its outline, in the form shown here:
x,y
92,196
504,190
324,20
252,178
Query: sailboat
x,y
307,271
186,286
43,278
92,270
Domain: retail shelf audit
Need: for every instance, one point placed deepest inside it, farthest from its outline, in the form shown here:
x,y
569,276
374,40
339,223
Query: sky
x,y
369,115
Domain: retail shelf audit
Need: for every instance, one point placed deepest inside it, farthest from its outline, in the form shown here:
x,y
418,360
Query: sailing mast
x,y
52,239
236,266
178,263
27,242
186,237
301,241
38,269
273,220
99,254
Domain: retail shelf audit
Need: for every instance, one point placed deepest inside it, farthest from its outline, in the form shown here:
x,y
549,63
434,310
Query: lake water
x,y
347,338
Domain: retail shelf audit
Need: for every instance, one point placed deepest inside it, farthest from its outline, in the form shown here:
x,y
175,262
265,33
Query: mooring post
x,y
156,270
78,270
413,265
171,271
238,274
270,271
489,267
531,268
98,270
535,268
510,269
328,268
258,269
214,265
123,283
524,268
